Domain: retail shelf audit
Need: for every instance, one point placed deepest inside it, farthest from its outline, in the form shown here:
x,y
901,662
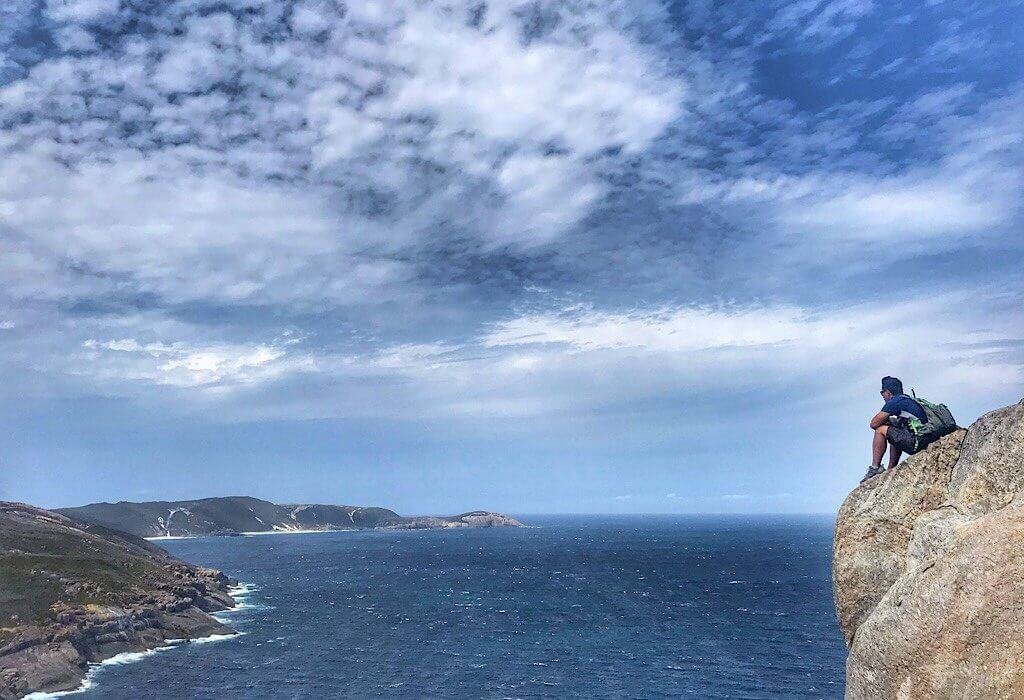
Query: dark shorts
x,y
901,438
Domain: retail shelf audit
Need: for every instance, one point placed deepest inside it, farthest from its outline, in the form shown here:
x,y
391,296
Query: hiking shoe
x,y
872,471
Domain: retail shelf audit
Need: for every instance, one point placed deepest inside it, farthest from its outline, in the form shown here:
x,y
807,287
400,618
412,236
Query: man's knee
x,y
882,430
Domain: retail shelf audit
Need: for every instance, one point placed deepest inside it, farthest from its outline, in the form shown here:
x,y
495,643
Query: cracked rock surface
x,y
928,569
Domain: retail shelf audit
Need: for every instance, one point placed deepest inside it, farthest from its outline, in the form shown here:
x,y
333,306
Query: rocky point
x,y
928,569
73,593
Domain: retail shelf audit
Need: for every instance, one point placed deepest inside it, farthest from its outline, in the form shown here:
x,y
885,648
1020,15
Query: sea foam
x,y
128,657
123,659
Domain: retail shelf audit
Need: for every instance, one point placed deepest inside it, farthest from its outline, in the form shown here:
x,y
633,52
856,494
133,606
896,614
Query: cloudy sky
x,y
531,256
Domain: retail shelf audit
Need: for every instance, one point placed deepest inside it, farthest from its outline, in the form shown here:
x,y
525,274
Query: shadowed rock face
x,y
73,593
236,514
928,570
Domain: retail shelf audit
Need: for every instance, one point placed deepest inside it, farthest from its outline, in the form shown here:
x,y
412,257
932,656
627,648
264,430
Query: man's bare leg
x,y
878,446
894,456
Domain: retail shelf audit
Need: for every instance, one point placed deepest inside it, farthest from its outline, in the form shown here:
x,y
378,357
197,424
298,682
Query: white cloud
x,y
312,16
821,22
770,498
242,167
195,64
936,104
660,330
769,329
526,119
971,188
579,361
375,127
901,209
583,94
83,11
180,365
964,186
171,232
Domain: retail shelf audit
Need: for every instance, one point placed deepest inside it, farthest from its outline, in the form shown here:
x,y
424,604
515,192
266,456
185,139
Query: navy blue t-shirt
x,y
900,403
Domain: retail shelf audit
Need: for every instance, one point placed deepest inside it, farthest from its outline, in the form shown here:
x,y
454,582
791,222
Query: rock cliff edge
x,y
928,569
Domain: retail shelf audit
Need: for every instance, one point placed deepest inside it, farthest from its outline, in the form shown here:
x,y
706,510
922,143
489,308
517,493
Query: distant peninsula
x,y
236,515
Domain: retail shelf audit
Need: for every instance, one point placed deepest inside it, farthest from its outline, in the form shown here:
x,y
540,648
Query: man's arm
x,y
881,418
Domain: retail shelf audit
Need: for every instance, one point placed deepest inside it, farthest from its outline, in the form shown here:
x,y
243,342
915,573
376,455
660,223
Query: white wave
x,y
227,616
216,638
160,538
241,594
242,590
86,685
128,657
246,605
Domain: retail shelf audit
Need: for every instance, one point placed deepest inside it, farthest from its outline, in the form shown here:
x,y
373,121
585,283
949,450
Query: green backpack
x,y
939,422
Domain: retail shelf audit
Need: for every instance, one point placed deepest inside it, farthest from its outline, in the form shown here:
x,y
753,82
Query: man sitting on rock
x,y
891,425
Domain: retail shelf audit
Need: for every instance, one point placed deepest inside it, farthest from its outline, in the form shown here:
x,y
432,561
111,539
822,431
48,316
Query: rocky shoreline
x,y
78,587
73,594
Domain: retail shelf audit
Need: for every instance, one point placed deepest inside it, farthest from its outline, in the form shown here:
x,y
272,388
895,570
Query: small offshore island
x,y
81,585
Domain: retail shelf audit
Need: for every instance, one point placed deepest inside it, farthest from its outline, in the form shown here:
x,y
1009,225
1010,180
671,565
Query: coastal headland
x,y
82,585
74,593
235,515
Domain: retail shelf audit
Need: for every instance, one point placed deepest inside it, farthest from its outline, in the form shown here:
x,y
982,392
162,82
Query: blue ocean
x,y
594,607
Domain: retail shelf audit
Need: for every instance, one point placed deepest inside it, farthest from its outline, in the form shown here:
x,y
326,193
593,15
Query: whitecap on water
x,y
242,590
216,638
241,594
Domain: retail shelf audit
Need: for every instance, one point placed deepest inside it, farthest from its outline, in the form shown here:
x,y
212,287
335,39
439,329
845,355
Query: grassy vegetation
x,y
35,554
24,593
30,583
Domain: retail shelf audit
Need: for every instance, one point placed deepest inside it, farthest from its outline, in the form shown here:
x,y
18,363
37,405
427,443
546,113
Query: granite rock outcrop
x,y
928,569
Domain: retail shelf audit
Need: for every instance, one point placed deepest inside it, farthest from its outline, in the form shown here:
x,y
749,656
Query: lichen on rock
x,y
928,569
